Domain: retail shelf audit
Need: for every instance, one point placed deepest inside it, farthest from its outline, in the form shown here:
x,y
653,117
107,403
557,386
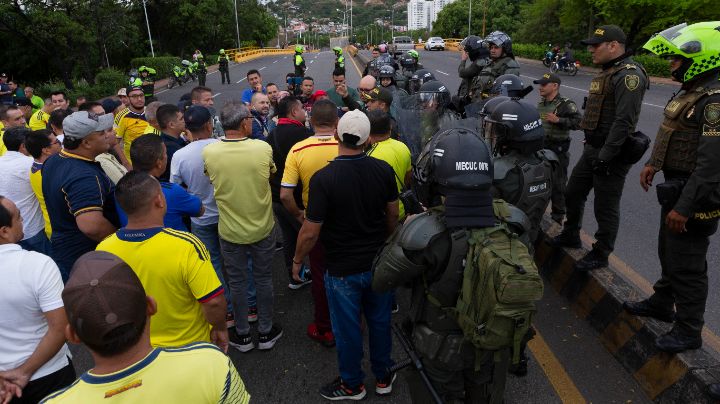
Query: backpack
x,y
499,289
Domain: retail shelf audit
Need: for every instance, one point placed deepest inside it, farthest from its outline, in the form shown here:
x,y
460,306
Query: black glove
x,y
601,168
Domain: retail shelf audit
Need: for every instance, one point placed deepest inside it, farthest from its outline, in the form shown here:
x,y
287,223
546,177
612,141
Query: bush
x,y
107,82
654,65
162,64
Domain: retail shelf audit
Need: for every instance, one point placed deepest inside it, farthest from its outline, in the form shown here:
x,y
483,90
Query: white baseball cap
x,y
354,123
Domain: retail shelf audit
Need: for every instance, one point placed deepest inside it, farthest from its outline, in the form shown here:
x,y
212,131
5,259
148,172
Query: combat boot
x,y
714,391
592,260
644,308
677,341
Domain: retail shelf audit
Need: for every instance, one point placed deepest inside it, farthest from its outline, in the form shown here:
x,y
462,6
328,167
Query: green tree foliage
x,y
452,21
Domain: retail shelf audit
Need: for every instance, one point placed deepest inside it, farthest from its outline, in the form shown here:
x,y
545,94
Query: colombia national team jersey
x,y
129,126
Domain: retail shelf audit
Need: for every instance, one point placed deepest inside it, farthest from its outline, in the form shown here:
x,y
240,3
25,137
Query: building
x,y
422,13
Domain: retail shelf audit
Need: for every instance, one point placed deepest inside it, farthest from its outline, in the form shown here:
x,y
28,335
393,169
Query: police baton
x,y
414,360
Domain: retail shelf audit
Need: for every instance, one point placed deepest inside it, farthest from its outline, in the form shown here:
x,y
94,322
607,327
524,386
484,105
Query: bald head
x,y
260,103
368,82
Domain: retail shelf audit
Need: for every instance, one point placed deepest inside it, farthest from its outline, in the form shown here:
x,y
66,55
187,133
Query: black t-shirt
x,y
282,139
349,197
172,144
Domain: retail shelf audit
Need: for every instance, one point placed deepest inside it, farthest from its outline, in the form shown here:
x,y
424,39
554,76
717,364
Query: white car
x,y
435,43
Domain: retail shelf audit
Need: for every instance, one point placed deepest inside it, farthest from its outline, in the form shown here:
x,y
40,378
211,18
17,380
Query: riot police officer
x,y
474,50
420,77
612,110
386,78
559,115
428,252
686,150
523,169
502,61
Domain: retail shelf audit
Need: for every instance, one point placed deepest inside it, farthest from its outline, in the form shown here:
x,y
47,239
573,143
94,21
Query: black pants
x,y
225,75
290,227
201,78
608,191
40,388
684,280
559,185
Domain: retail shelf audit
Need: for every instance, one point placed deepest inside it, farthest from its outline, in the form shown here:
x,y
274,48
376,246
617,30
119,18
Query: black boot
x,y
565,240
714,391
592,260
644,308
677,341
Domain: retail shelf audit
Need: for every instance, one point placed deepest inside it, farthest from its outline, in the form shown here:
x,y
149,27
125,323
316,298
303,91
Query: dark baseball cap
x,y
3,75
548,78
606,33
133,88
22,102
196,116
379,94
109,105
103,294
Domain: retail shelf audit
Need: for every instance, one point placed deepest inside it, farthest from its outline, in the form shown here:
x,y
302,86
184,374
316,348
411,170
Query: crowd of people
x,y
364,190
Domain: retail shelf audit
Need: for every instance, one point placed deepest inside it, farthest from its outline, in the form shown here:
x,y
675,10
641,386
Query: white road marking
x,y
585,91
312,61
213,72
275,61
442,72
216,95
160,92
262,68
241,80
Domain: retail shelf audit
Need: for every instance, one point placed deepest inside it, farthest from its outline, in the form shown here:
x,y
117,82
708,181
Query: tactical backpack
x,y
499,289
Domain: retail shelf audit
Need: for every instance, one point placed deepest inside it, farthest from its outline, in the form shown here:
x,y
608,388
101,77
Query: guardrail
x,y
246,54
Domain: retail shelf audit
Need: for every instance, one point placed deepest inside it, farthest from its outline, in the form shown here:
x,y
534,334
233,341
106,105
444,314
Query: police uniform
x,y
224,67
484,80
557,139
428,252
612,110
202,71
686,150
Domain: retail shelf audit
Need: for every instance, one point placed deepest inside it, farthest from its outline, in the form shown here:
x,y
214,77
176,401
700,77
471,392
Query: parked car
x,y
401,44
435,43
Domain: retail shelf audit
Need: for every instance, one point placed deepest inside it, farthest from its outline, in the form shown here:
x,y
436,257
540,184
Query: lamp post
x,y
237,26
147,22
469,17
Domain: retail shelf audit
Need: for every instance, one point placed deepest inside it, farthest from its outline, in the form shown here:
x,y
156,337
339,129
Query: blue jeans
x,y
38,243
209,236
349,297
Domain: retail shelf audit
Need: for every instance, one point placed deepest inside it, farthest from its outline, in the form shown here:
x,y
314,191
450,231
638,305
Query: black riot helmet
x,y
514,125
434,95
475,47
491,104
386,71
456,164
510,85
419,78
502,40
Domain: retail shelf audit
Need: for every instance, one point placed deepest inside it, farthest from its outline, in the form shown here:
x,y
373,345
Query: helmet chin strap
x,y
679,74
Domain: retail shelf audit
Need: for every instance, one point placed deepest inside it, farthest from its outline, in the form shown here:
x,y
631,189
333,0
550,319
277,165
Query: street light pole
x,y
392,23
469,17
237,26
147,22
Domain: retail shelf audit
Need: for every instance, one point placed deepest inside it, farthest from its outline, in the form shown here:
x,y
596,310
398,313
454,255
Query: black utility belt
x,y
558,146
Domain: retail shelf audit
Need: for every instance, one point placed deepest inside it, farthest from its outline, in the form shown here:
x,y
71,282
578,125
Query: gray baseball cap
x,y
81,124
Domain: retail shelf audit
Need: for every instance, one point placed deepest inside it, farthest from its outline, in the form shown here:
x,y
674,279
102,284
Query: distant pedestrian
x,y
224,66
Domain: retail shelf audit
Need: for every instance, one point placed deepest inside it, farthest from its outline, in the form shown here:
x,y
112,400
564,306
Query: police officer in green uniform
x,y
201,70
474,56
339,58
559,115
502,61
686,150
428,252
224,66
147,77
612,110
299,65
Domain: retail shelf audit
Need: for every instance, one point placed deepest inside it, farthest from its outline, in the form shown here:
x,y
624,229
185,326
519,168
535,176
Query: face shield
x,y
433,101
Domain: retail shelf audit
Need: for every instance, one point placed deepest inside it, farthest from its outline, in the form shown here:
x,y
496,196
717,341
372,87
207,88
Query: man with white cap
x,y
352,208
78,193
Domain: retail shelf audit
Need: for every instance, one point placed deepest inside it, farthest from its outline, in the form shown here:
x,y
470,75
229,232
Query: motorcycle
x,y
570,68
549,57
179,76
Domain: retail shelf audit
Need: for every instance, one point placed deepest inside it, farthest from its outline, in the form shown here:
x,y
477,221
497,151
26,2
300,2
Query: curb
x,y
597,297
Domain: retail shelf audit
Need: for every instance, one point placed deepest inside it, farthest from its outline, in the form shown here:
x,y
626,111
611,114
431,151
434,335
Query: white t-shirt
x,y
15,185
31,285
187,167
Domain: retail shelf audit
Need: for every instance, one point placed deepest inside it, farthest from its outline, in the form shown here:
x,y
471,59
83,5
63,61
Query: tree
x,y
501,15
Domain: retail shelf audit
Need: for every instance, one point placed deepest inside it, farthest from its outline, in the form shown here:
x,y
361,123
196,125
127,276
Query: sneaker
x,y
267,341
252,314
327,339
230,320
337,390
305,279
383,387
242,343
396,308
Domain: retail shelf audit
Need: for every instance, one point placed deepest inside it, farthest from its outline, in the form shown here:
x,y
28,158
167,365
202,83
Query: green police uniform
x,y
686,150
484,80
557,139
202,71
612,110
299,64
467,71
224,67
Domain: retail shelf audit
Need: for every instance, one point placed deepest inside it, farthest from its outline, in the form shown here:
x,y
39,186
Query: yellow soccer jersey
x,y
195,373
39,120
129,126
36,184
149,130
175,269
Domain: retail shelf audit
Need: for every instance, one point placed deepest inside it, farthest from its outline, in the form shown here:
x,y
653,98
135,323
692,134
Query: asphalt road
x,y
568,364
